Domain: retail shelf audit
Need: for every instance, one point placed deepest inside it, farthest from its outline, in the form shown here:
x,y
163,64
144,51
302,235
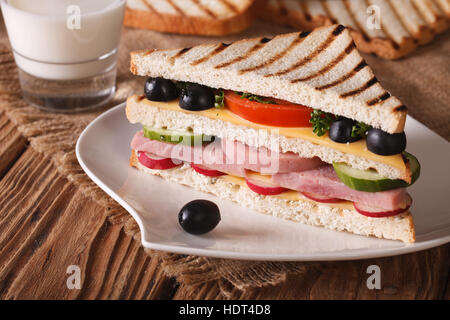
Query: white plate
x,y
103,150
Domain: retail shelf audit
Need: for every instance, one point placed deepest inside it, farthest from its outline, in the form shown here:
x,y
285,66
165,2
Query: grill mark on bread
x,y
400,108
400,17
355,21
387,34
179,54
379,99
217,50
248,54
230,6
328,12
176,8
282,8
140,97
349,49
361,89
311,56
150,7
361,65
205,9
305,10
275,58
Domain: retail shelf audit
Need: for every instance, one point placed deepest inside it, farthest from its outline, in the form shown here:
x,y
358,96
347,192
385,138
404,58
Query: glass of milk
x,y
66,50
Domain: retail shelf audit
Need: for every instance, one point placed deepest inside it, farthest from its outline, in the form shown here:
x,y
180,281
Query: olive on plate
x,y
196,97
199,216
341,131
385,144
159,89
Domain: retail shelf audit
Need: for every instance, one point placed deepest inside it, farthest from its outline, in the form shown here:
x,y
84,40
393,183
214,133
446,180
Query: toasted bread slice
x,y
404,24
199,17
400,227
320,69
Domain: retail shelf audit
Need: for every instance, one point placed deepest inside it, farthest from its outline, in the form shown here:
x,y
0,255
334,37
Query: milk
x,y
64,39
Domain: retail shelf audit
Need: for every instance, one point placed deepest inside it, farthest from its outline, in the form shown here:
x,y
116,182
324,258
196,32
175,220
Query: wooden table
x,y
46,224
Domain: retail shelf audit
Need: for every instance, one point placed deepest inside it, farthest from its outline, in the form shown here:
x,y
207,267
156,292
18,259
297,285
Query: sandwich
x,y
404,24
216,17
296,126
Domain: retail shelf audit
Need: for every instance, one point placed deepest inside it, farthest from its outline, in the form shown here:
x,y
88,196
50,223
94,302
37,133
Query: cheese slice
x,y
290,195
357,148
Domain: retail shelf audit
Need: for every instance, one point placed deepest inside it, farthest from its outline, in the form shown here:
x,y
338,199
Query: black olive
x,y
197,97
199,216
341,131
385,144
159,89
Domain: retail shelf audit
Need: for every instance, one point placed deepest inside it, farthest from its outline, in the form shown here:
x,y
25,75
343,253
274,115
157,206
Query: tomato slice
x,y
281,114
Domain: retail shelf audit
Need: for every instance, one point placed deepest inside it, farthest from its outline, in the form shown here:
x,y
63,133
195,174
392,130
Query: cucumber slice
x,y
175,137
372,181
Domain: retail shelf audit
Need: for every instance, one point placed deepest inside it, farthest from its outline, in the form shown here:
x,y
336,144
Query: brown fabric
x,y
421,82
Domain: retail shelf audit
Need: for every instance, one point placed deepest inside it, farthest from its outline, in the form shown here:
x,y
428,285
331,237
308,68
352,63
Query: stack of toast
x,y
390,29
403,24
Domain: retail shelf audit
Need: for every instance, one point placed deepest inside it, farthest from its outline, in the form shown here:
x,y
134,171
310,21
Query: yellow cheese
x,y
357,148
290,195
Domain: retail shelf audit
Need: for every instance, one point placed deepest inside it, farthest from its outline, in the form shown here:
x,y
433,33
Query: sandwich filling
x,y
275,173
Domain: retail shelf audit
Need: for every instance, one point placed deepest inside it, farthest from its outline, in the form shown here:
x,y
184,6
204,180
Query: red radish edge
x,y
206,172
364,210
155,162
265,191
320,198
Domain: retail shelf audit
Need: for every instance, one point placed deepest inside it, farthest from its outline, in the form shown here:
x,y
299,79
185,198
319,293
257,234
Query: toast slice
x,y
199,17
320,69
405,24
302,210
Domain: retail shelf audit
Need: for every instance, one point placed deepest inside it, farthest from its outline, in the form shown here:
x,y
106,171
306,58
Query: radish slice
x,y
154,162
264,188
320,198
380,213
205,171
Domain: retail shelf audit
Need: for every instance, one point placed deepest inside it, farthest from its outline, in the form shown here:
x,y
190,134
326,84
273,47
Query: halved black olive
x,y
159,89
196,97
385,144
341,131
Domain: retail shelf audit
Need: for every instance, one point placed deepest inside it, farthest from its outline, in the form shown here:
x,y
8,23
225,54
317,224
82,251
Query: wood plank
x,y
421,275
46,224
12,144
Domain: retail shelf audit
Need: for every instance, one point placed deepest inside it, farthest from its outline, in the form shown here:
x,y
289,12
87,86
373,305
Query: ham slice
x,y
324,181
267,161
209,156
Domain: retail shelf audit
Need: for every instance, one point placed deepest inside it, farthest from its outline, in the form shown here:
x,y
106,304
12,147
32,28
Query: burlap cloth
x,y
421,81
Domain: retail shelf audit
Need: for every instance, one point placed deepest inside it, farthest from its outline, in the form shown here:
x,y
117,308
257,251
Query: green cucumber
x,y
372,181
175,137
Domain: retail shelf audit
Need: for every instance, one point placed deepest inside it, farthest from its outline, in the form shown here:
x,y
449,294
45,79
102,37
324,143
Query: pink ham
x,y
266,161
324,181
209,156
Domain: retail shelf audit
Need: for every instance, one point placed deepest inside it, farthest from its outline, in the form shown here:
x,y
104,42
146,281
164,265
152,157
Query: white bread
x,y
320,69
405,24
200,17
400,227
142,111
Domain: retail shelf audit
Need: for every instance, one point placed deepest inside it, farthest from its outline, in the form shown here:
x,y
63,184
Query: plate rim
x,y
350,254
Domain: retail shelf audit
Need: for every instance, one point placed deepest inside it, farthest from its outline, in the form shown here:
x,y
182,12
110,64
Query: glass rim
x,y
43,16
